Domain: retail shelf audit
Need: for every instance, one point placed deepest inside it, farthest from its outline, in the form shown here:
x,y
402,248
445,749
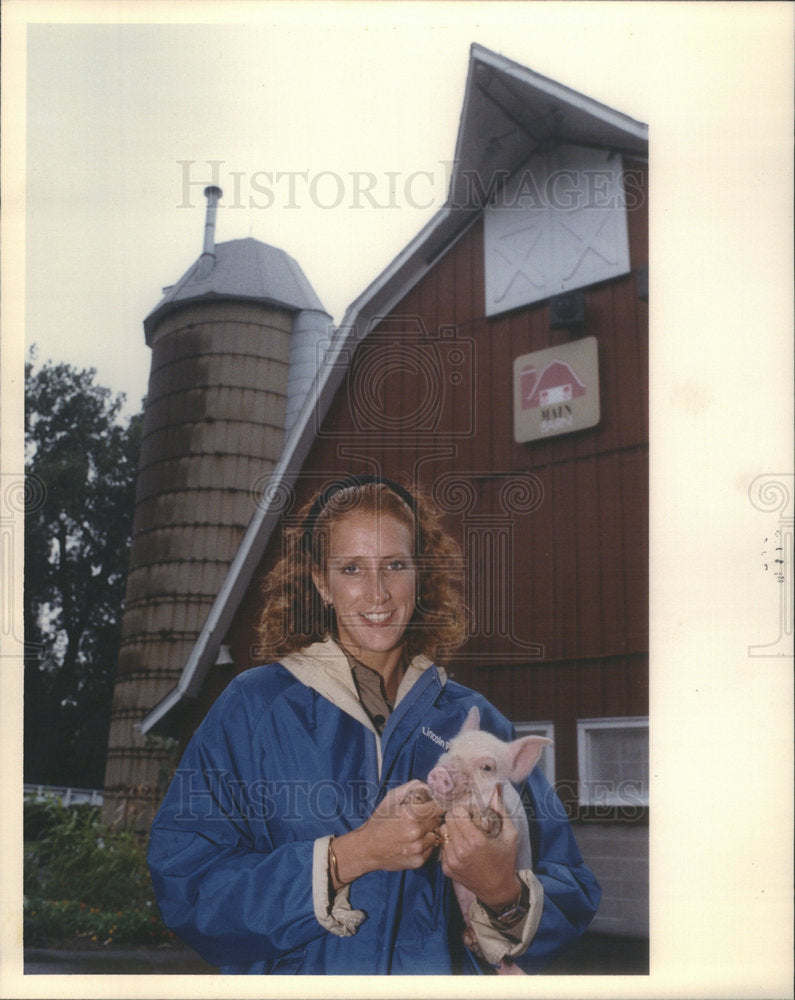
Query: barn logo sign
x,y
556,391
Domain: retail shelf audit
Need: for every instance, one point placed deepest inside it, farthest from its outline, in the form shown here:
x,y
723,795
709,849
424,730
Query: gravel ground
x,y
595,954
65,960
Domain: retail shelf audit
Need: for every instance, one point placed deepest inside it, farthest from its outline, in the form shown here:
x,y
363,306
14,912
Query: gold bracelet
x,y
332,860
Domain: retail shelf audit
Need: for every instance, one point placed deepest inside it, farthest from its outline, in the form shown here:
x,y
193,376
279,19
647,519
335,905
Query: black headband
x,y
345,484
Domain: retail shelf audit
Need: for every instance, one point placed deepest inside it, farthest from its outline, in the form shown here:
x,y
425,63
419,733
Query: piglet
x,y
468,774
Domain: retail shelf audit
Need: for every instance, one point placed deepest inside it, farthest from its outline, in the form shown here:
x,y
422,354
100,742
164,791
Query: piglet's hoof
x,y
416,795
488,821
469,939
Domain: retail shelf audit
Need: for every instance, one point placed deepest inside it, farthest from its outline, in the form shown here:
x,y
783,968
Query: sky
x,y
330,131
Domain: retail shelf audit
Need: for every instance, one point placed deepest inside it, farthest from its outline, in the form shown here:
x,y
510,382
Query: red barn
x,y
524,298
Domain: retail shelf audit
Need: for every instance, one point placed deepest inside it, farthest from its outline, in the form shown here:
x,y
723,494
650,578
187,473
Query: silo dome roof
x,y
241,269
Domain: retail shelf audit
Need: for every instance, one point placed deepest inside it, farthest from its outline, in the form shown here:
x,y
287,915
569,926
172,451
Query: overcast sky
x,y
302,108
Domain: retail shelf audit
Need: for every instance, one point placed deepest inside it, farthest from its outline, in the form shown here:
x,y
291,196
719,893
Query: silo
x,y
227,340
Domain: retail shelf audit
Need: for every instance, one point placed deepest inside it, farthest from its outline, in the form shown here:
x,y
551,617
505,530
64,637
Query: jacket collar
x,y
324,667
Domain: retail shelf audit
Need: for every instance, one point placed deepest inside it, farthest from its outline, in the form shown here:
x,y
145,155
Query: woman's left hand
x,y
484,865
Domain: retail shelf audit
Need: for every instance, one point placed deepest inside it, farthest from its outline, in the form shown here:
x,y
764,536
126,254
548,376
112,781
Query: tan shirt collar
x,y
324,667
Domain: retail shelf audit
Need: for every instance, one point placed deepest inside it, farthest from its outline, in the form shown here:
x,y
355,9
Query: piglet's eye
x,y
488,768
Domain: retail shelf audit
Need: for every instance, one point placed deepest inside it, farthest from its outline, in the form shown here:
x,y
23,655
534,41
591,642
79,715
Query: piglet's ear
x,y
524,754
472,721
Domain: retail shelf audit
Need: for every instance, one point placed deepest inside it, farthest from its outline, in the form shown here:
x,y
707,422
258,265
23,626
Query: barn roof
x,y
509,113
242,269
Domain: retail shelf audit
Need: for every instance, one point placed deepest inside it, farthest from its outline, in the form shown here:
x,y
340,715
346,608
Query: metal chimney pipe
x,y
207,259
213,196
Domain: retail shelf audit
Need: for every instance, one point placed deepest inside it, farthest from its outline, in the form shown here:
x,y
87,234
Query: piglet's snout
x,y
445,782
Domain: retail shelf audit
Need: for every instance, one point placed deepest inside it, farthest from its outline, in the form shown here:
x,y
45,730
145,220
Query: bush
x,y
47,920
85,880
38,819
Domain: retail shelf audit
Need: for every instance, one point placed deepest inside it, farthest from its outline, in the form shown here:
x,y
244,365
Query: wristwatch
x,y
512,914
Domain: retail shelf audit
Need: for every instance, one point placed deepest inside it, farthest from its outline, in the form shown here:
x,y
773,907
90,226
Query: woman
x,y
297,835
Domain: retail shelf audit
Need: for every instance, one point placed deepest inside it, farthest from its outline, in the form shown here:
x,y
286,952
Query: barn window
x,y
558,224
546,764
613,758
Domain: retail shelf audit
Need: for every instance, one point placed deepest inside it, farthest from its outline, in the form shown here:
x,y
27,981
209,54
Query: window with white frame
x,y
613,758
546,764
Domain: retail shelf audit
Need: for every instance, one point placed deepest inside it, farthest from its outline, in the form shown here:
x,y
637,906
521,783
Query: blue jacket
x,y
286,757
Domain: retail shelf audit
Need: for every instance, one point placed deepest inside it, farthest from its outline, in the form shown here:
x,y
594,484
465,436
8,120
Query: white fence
x,y
68,796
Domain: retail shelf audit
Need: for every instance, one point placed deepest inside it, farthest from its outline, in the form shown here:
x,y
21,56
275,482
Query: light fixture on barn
x,y
567,312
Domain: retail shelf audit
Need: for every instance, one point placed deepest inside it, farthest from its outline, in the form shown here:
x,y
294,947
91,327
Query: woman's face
x,y
371,582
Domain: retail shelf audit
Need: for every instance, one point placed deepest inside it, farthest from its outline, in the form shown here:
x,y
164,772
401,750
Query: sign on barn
x,y
556,391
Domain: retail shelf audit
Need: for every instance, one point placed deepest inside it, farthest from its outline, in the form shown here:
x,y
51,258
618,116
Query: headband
x,y
345,484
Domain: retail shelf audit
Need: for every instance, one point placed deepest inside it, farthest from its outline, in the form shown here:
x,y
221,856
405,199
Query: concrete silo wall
x,y
213,424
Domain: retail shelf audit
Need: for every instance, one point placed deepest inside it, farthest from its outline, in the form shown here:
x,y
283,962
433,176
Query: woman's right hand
x,y
401,833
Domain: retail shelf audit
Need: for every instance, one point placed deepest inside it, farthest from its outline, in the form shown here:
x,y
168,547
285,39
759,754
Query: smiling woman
x,y
343,533
300,834
370,583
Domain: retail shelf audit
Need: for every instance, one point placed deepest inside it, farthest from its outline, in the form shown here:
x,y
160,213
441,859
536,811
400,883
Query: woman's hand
x,y
400,834
484,865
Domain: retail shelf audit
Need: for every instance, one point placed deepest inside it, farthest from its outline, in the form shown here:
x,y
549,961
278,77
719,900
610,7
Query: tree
x,y
76,552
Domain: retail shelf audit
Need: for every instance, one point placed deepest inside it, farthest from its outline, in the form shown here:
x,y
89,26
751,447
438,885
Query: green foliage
x,y
38,819
81,463
78,854
56,920
85,880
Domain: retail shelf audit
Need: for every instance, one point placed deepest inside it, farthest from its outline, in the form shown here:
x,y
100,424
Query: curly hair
x,y
294,614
